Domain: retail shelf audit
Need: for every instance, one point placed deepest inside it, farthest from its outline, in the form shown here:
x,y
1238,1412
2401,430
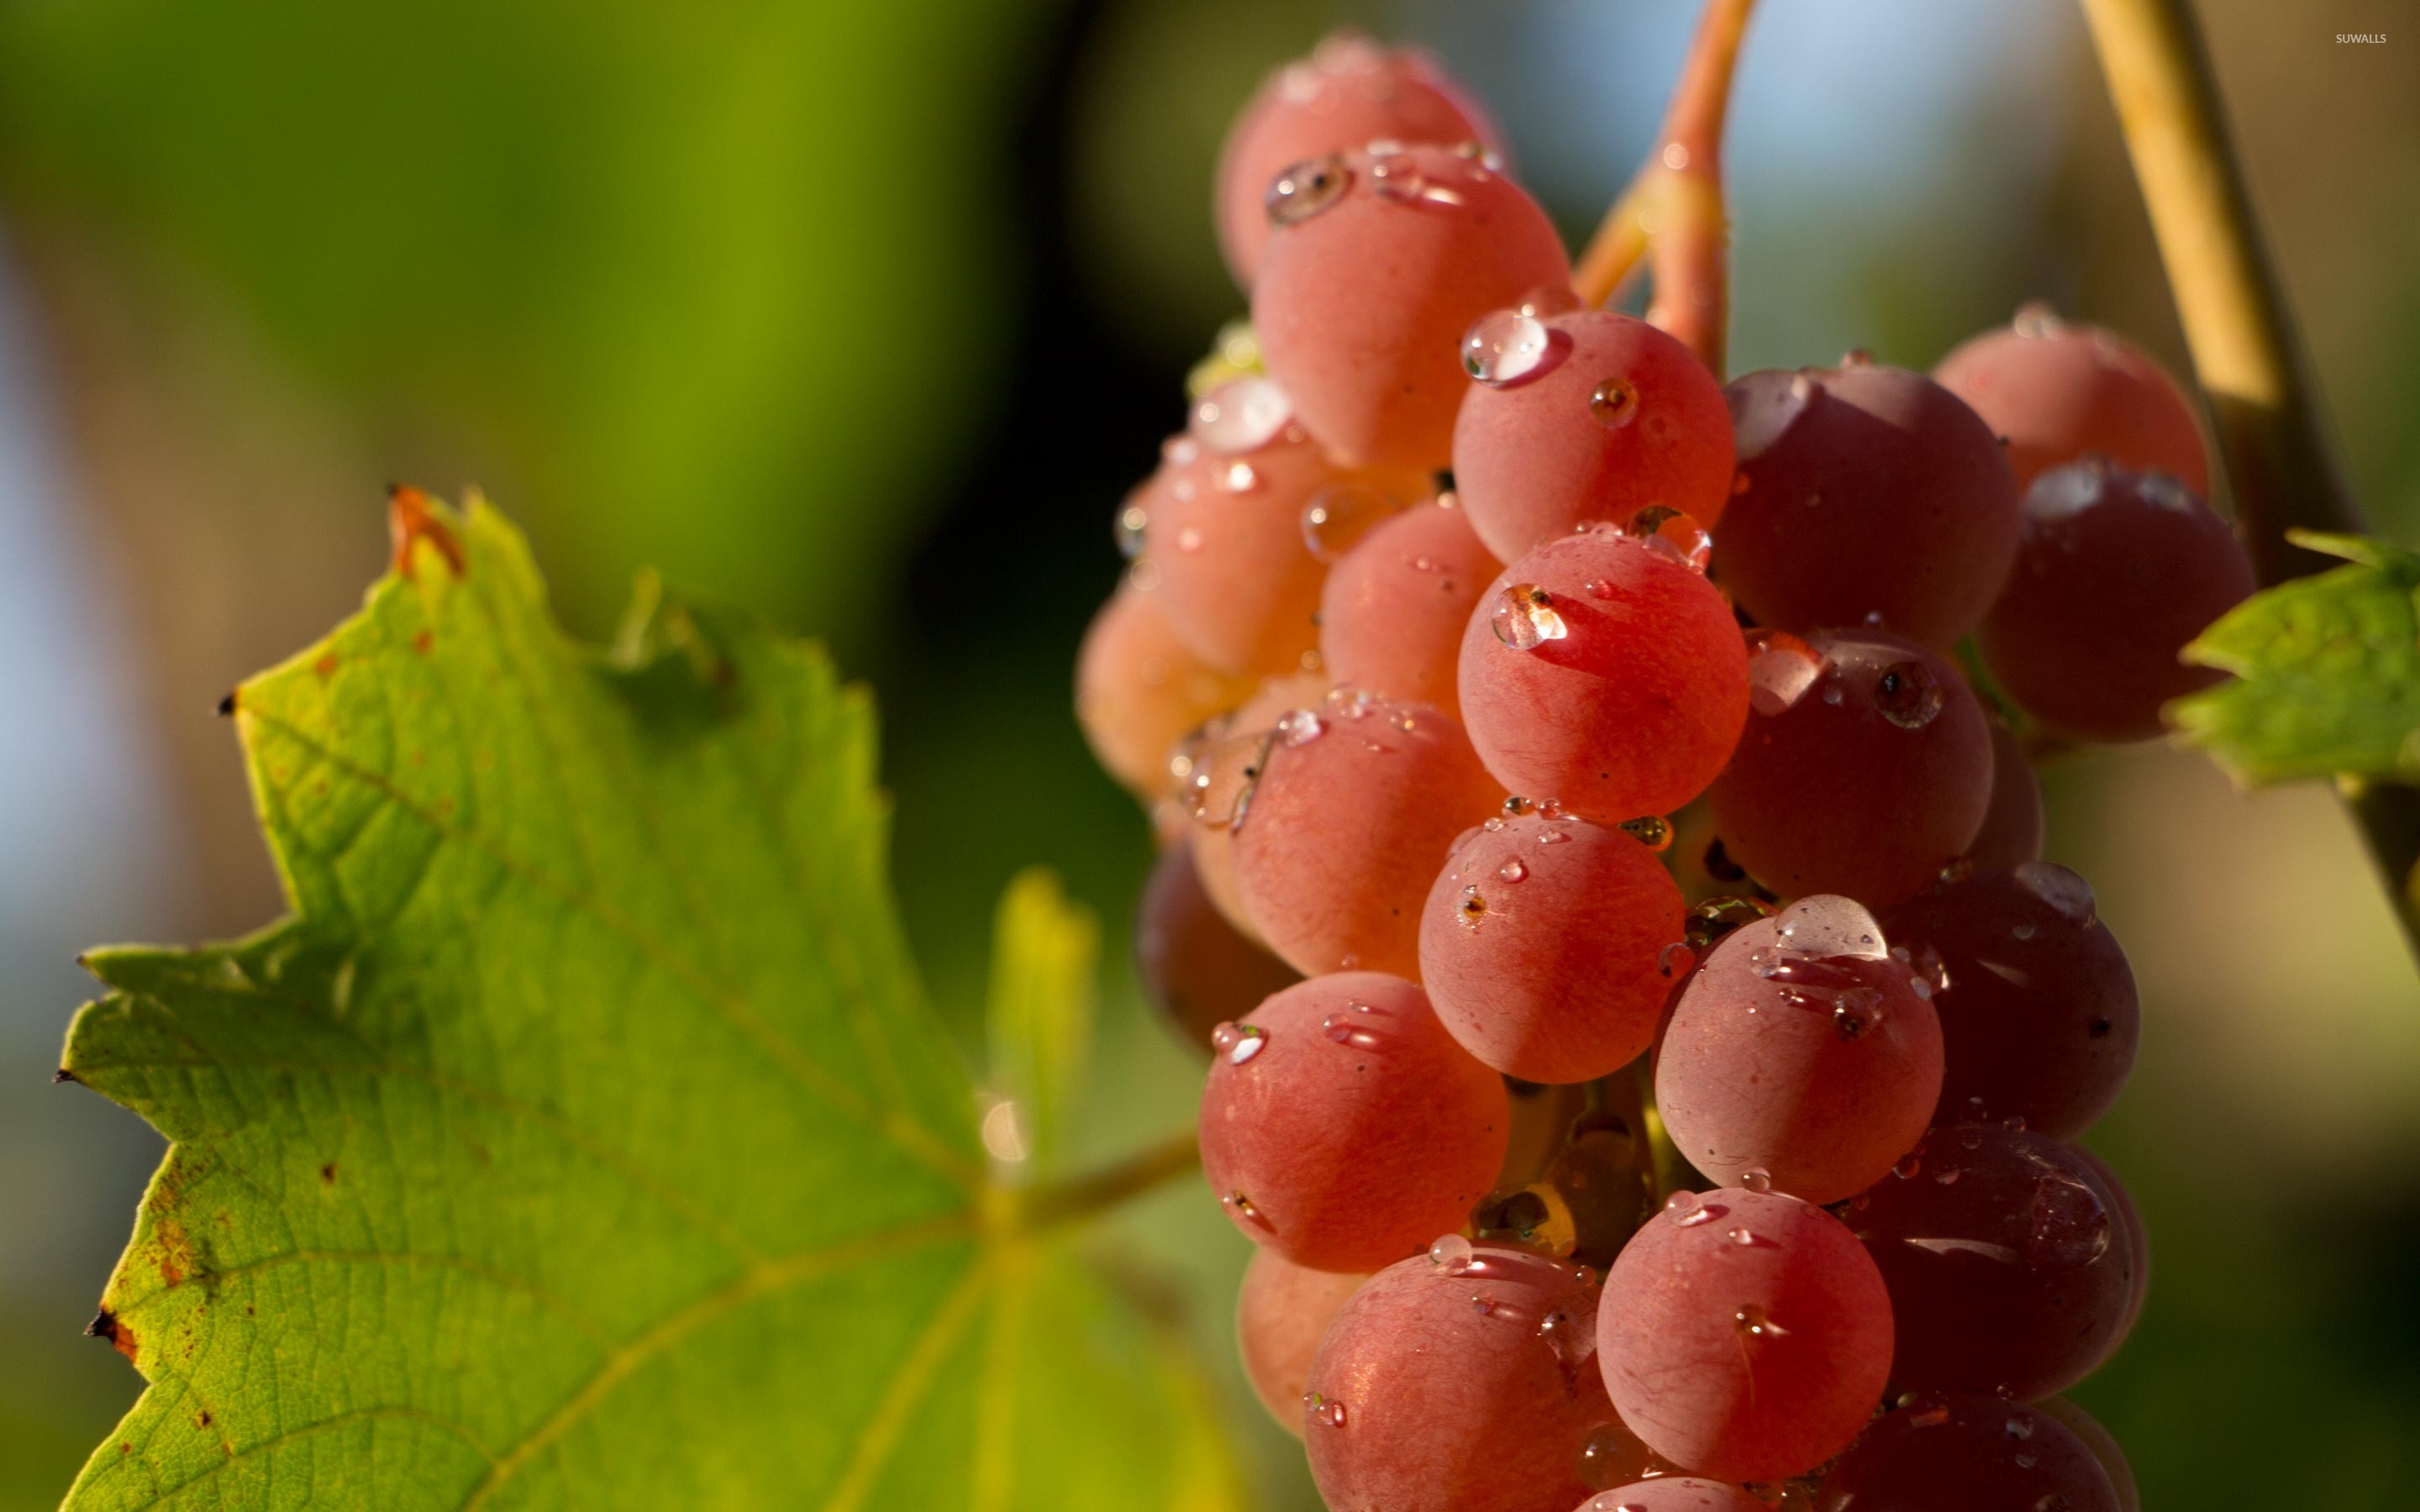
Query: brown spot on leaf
x,y
326,665
422,642
202,1418
62,1075
328,1174
409,520
105,1325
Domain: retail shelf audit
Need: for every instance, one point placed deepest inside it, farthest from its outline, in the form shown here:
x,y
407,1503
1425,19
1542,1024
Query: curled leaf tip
x,y
412,520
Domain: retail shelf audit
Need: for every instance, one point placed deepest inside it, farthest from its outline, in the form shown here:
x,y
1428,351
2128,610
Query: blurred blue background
x,y
866,316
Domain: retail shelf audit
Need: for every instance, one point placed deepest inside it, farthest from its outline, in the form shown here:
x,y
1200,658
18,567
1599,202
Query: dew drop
x,y
1452,1254
1756,1179
1613,403
1504,347
1654,831
1513,871
1780,668
1525,617
1133,520
1755,1322
1339,514
1238,1042
1674,535
1908,695
1675,959
2070,894
1241,415
2036,317
1300,727
1306,189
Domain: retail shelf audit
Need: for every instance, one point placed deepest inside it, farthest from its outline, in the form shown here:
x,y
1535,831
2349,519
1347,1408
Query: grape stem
x,y
2280,458
1031,1210
1672,212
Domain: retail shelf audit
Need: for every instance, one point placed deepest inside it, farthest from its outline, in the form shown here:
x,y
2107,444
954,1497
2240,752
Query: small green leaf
x,y
1044,951
583,1138
2327,673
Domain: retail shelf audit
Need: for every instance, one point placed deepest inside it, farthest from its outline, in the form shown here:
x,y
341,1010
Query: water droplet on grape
x,y
1780,668
2070,894
1504,347
1908,695
1613,403
1652,830
1241,415
1525,617
1238,1042
1306,189
1756,1179
1299,727
1339,514
1674,959
1674,535
1753,1321
1452,1254
2036,317
1131,523
1513,871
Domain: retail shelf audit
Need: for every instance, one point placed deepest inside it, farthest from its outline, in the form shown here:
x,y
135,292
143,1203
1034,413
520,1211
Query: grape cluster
x,y
1644,1037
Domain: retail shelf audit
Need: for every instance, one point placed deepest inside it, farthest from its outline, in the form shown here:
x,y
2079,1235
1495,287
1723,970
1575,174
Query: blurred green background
x,y
865,315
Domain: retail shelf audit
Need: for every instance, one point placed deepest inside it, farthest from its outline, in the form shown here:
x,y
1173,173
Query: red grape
x,y
1543,947
2055,392
1462,1380
2138,1238
1601,672
1866,495
1343,1127
1378,265
1354,807
1280,1316
1803,1050
2012,821
1138,690
2116,572
1222,523
1970,1453
1392,612
1865,768
1744,1335
2103,1445
2039,1017
2009,1259
1196,968
1674,1493
1350,92
1598,416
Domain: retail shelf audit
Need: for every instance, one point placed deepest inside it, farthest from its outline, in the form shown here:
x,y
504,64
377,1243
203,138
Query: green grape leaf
x,y
582,1138
1041,1015
2327,673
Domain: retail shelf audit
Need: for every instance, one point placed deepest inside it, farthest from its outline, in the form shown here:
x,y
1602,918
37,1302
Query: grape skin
x,y
1971,1452
2012,819
1346,829
1361,306
1865,768
1392,612
1212,837
1753,1358
2010,1259
1195,967
1674,1493
1815,1062
1281,1314
2103,1445
2138,1240
1138,690
1348,1153
1535,460
1543,957
1350,92
2055,392
1635,708
2116,572
2039,1017
1863,491
1454,1396
1223,536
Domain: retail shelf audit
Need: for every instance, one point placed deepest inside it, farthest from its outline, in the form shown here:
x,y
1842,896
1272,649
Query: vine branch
x,y
1672,212
2278,455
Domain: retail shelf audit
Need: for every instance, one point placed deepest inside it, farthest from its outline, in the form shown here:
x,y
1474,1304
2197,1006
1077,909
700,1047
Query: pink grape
x,y
1196,968
1744,1334
2012,820
1602,673
1866,495
1392,612
2116,572
1865,766
1972,1452
2009,1258
1349,93
1352,815
1803,1049
1220,764
1602,416
2038,1015
1280,1316
2103,1445
1674,1493
1222,532
1138,689
1377,266
1459,1380
1343,1127
1543,947
2056,392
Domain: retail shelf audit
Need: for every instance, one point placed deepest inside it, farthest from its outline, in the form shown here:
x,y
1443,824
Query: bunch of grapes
x,y
1646,1042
